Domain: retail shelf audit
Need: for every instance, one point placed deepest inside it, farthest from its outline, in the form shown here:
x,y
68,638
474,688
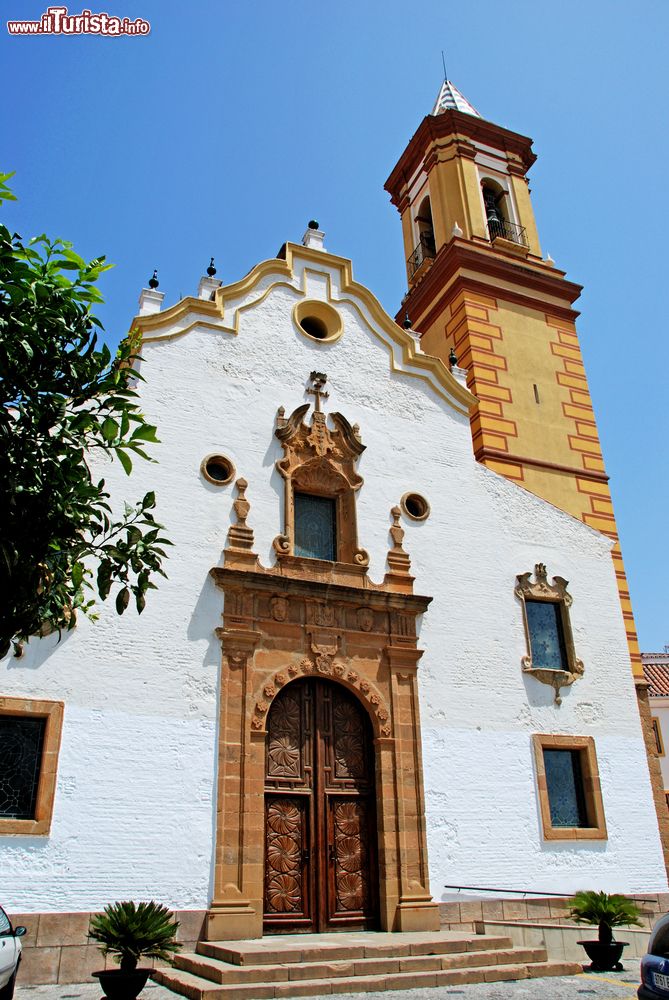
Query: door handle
x,y
331,853
306,855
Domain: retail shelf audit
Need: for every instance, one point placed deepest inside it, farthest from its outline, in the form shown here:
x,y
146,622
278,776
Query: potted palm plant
x,y
606,911
129,932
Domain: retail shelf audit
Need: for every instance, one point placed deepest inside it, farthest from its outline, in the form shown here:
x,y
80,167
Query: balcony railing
x,y
507,231
425,250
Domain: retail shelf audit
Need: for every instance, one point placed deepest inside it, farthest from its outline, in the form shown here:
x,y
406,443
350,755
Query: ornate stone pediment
x,y
329,454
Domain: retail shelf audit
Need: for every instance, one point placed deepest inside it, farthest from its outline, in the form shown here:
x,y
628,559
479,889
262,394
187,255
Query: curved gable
x,y
307,273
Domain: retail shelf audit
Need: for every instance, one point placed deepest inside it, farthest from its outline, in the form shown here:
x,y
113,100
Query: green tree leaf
x,y
125,460
63,399
122,600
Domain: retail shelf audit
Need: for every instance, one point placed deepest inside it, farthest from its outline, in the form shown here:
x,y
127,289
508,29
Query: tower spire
x,y
450,99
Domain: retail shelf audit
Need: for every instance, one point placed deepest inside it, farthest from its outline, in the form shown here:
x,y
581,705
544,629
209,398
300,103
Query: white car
x,y
10,955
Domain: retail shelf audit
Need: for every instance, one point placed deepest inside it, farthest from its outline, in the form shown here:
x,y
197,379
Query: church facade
x,y
380,668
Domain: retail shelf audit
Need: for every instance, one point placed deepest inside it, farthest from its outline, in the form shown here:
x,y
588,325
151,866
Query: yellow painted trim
x,y
222,327
188,304
205,306
430,369
432,375
186,329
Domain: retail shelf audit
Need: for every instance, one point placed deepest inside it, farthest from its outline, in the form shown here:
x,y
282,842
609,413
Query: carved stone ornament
x,y
320,460
556,593
279,608
323,614
323,656
322,661
365,618
236,658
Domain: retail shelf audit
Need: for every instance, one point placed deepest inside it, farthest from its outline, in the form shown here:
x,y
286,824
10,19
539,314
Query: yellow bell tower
x,y
480,289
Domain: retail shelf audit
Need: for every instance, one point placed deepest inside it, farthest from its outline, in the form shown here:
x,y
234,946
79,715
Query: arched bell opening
x,y
426,226
320,833
495,203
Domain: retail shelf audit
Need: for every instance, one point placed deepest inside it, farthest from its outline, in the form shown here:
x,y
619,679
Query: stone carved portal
x,y
316,644
320,829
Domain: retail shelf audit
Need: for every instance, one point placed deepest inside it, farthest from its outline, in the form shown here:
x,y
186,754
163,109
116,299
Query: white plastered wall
x,y
134,812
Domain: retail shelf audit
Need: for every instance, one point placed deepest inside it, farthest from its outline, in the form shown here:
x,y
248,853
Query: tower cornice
x,y
453,122
478,268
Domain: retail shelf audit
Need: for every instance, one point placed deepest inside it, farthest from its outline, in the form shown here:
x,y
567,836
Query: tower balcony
x,y
425,251
501,229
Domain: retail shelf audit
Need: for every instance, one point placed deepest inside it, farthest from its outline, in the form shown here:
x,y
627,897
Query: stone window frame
x,y
52,711
555,593
657,732
592,792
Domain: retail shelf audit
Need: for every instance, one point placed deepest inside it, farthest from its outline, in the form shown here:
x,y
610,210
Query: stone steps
x,y
284,949
196,988
224,973
355,963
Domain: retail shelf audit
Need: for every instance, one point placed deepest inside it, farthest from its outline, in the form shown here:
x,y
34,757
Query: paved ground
x,y
609,985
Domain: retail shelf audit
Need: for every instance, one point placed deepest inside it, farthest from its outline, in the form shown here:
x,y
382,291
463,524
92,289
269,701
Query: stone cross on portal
x,y
319,379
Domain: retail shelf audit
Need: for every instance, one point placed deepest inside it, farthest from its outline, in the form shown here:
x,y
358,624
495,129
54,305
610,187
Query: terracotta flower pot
x,y
605,957
117,984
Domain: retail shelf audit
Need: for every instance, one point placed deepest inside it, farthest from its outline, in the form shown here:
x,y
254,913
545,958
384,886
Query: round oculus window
x,y
317,320
217,469
415,506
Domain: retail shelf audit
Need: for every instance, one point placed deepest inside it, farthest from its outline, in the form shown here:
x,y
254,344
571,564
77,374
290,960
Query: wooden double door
x,y
320,816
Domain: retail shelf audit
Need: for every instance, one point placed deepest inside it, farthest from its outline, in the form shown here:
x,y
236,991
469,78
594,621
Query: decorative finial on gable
x,y
211,270
150,299
313,236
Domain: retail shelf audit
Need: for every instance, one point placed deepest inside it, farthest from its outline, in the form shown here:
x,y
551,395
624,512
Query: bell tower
x,y
465,177
478,285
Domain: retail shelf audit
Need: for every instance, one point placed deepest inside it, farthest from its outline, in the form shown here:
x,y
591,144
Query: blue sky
x,y
230,125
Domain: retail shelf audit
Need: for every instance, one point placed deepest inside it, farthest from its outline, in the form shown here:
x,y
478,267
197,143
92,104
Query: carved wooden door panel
x,y
320,830
289,820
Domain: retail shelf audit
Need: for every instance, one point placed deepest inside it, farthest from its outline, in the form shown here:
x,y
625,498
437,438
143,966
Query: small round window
x,y
217,469
415,506
317,320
